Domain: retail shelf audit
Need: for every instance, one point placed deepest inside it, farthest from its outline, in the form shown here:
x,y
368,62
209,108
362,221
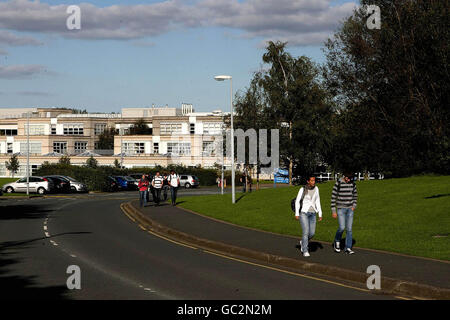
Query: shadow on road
x,y
25,211
16,287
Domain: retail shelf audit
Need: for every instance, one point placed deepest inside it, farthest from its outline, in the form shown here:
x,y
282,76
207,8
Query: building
x,y
174,136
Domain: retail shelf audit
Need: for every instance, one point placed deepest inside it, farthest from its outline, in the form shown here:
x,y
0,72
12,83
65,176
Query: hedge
x,y
96,178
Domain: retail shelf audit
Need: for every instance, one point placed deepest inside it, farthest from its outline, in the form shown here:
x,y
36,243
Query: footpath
x,y
400,274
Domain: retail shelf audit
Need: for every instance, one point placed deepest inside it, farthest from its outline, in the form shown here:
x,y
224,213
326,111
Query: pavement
x,y
400,274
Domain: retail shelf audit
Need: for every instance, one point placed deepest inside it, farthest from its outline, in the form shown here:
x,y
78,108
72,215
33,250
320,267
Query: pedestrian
x,y
150,187
307,204
218,182
174,183
344,198
157,184
143,191
165,186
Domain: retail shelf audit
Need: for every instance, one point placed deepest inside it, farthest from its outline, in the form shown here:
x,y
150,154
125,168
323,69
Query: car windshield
x,y
71,179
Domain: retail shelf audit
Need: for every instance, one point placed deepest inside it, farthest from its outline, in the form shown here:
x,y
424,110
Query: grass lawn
x,y
7,180
398,215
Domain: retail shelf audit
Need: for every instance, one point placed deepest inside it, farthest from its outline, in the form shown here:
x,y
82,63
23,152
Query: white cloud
x,y
302,22
11,39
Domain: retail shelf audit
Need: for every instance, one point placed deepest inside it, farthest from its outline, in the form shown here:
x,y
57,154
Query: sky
x,y
138,53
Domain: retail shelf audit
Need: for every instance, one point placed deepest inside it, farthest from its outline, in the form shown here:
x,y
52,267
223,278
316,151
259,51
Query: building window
x,y
60,147
53,129
9,147
155,147
8,132
208,148
179,148
212,128
35,148
134,148
73,129
99,128
35,129
192,128
170,128
80,146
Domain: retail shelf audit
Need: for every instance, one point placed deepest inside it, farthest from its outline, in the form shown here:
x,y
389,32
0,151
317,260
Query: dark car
x,y
61,185
111,184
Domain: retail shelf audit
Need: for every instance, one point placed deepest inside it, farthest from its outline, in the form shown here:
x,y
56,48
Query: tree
x,y
64,160
92,162
391,89
106,139
13,165
140,127
116,163
299,106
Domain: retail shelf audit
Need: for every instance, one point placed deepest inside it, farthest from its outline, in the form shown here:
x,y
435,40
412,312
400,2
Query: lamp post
x,y
223,78
28,153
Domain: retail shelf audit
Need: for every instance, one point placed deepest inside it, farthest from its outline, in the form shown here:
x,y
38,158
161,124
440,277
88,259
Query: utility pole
x,y
28,153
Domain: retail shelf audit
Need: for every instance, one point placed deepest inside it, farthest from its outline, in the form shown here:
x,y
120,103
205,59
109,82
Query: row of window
x,y
175,148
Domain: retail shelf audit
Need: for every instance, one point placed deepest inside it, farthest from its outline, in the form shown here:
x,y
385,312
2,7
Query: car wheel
x,y
9,190
187,185
41,190
73,189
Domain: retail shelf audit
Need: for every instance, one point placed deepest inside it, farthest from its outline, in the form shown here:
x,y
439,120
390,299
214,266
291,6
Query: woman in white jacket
x,y
307,205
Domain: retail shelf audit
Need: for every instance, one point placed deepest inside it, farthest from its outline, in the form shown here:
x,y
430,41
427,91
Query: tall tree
x,y
140,127
106,139
391,88
299,106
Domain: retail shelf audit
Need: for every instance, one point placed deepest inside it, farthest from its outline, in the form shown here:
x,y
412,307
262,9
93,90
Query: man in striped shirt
x,y
344,198
157,184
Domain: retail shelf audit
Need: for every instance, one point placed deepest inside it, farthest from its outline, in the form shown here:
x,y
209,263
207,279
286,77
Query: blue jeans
x,y
345,219
308,223
173,194
143,198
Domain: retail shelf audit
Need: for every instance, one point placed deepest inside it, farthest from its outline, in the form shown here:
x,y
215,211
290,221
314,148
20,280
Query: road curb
x,y
389,285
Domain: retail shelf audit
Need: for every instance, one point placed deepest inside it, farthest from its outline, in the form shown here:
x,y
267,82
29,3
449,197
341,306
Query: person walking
x,y
165,186
174,183
344,198
143,191
157,184
307,204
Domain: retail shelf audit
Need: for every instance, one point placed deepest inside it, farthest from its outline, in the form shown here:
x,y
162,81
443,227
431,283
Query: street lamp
x,y
223,78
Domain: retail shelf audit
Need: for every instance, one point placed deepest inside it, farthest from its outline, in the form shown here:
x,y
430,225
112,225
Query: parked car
x,y
132,183
75,186
189,181
40,185
136,176
60,184
123,183
111,184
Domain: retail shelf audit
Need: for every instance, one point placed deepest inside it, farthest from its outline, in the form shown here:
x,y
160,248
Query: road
x,y
41,238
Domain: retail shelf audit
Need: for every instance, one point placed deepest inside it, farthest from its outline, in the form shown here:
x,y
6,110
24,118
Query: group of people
x,y
344,198
159,183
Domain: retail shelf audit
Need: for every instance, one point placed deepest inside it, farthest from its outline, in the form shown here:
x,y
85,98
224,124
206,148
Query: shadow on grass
x,y
239,199
438,196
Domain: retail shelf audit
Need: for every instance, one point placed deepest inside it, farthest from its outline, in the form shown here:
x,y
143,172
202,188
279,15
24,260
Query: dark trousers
x,y
173,194
157,195
143,198
165,188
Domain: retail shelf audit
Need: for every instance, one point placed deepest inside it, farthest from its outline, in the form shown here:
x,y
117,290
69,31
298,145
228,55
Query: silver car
x,y
36,184
189,181
76,186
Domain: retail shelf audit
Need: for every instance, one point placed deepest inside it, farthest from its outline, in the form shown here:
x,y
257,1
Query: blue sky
x,y
144,52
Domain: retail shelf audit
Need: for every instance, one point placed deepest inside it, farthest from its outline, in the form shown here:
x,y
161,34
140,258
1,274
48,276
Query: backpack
x,y
301,201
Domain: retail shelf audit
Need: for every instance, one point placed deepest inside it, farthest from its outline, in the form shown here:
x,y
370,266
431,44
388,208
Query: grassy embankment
x,y
410,215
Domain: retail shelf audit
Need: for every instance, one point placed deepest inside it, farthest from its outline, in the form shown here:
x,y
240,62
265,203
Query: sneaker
x,y
349,251
306,254
337,246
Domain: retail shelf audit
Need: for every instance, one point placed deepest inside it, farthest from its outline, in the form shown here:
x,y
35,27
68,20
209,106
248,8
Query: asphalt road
x,y
41,238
